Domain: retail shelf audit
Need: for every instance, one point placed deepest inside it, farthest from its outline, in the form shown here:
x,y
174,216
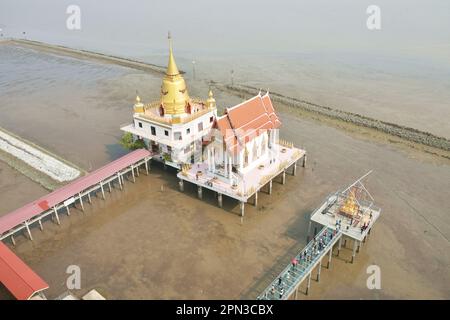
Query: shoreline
x,y
96,56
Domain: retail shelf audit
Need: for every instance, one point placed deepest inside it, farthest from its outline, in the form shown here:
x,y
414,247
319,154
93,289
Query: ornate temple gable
x,y
247,120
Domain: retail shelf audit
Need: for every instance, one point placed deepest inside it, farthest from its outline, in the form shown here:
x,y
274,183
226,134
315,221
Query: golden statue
x,y
350,206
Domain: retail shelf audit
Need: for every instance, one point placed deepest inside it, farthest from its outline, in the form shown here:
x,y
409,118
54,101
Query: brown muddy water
x,y
152,241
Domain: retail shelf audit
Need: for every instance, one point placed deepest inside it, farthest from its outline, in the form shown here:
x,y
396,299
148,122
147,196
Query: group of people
x,y
366,224
338,224
308,255
364,227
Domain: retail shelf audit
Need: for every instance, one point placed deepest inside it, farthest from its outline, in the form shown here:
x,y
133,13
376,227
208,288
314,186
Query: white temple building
x,y
236,154
173,127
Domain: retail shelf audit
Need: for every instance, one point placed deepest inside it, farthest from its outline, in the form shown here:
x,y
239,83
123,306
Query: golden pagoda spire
x,y
174,95
172,69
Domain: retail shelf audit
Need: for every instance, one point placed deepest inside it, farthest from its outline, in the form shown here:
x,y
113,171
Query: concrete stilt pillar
x,y
366,238
103,190
89,198
13,240
354,250
68,211
256,199
358,246
318,270
137,171
132,173
283,177
330,254
309,230
56,215
308,284
28,230
81,201
200,192
294,169
270,186
296,293
219,199
339,245
242,207
120,180
40,225
304,161
146,167
109,186
181,184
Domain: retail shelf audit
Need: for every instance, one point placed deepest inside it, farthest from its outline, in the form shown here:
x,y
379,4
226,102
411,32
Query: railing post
x,y
28,230
56,215
103,190
81,201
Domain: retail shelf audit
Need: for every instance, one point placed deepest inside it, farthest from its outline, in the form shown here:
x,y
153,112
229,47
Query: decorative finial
x,y
138,106
211,102
138,99
169,37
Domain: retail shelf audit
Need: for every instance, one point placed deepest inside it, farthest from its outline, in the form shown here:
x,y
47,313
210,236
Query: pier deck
x,y
348,214
249,186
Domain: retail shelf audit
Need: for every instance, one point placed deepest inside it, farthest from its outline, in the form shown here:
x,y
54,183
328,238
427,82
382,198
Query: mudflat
x,y
152,241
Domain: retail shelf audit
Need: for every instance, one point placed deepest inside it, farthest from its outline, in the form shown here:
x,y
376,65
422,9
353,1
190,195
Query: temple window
x,y
140,124
166,133
188,130
153,130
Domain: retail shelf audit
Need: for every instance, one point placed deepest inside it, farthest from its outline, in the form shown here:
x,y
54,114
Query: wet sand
x,y
146,243
16,189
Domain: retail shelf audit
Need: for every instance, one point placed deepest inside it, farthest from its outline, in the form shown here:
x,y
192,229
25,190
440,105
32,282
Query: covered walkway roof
x,y
33,209
17,277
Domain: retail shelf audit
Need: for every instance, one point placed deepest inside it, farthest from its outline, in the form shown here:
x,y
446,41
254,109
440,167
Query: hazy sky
x,y
418,27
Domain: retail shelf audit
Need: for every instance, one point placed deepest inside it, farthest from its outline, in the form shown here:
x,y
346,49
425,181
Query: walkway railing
x,y
301,266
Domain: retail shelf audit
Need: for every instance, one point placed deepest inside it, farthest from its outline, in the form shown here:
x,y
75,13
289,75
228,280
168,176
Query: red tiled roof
x,y
17,277
245,121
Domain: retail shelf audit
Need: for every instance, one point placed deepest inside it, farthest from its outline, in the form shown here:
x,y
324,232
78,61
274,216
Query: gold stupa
x,y
174,93
350,207
211,102
138,106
